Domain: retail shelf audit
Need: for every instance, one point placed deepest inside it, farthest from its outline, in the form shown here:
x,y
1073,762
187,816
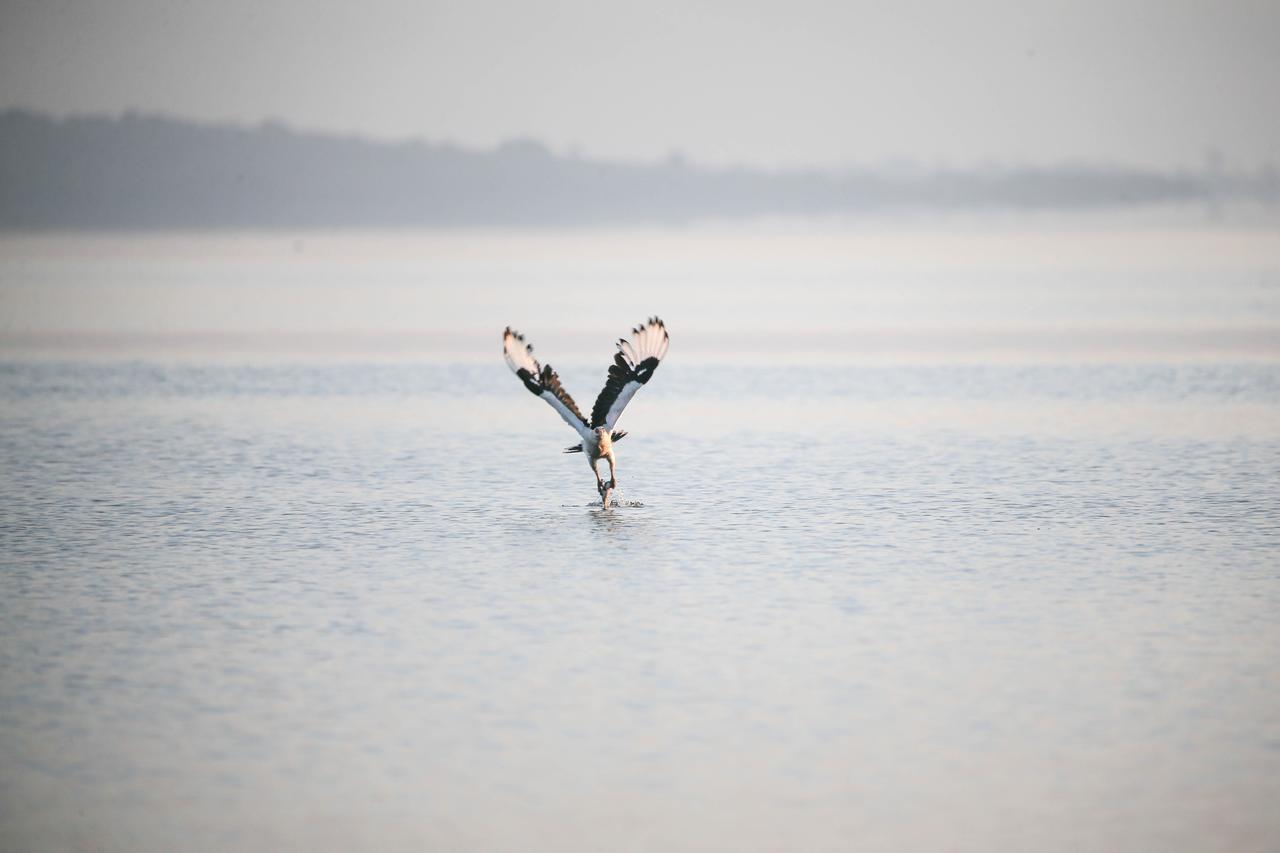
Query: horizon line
x,y
1216,163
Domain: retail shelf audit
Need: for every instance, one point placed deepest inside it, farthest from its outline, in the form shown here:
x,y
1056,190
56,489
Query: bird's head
x,y
603,440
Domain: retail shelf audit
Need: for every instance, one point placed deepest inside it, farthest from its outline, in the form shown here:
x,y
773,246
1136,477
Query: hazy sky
x,y
774,84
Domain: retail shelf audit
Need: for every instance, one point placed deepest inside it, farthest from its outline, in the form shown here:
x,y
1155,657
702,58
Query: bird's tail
x,y
577,448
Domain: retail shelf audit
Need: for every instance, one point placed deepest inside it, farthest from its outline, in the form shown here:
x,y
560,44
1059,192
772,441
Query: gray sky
x,y
769,84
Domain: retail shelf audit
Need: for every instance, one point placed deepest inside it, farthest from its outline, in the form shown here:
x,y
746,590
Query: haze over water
x,y
954,536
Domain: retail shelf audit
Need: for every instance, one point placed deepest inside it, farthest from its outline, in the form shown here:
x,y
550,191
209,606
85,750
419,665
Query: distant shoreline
x,y
141,173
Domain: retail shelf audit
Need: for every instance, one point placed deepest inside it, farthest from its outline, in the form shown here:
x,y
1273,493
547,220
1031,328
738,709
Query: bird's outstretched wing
x,y
632,367
541,380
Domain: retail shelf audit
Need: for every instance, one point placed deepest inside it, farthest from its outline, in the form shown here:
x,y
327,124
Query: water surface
x,y
900,595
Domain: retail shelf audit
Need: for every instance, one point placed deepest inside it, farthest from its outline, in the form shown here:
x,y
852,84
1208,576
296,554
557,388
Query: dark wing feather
x,y
551,382
633,366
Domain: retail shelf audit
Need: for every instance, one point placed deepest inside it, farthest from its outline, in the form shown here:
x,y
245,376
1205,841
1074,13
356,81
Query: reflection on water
x,y
279,603
1012,294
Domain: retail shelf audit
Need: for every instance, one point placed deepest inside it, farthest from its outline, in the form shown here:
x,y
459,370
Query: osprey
x,y
633,366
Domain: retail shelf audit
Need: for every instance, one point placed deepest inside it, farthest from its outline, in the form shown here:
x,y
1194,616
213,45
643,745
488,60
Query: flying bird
x,y
633,366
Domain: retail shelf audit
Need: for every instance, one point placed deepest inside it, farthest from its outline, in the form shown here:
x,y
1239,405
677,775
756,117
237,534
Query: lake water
x,y
930,538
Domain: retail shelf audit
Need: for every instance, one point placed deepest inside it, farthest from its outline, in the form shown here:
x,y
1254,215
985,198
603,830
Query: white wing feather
x,y
542,381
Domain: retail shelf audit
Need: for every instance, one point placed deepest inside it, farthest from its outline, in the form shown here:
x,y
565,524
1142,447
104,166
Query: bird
x,y
633,366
